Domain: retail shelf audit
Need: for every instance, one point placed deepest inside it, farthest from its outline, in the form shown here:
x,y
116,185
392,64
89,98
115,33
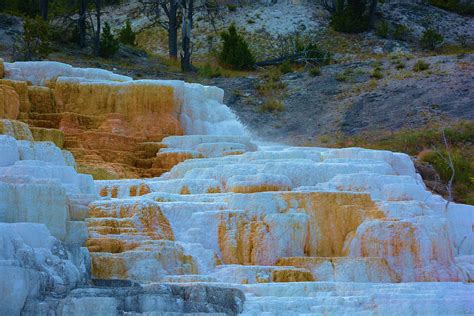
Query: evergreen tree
x,y
109,45
127,35
235,53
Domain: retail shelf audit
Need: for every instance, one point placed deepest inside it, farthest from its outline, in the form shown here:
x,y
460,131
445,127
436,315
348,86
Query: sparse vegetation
x,y
272,105
286,67
401,32
420,66
431,39
382,29
231,7
315,71
210,72
376,74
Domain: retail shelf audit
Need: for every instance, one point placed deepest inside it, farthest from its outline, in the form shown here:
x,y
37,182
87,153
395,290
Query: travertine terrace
x,y
209,220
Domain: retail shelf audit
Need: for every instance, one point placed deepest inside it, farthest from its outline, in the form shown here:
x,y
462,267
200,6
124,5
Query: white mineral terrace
x,y
298,230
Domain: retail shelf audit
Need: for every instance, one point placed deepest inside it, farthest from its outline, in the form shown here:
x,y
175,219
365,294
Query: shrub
x,y
377,74
235,52
349,22
210,72
286,67
109,45
127,35
431,39
35,40
232,7
342,77
421,65
401,32
382,29
315,71
400,65
272,105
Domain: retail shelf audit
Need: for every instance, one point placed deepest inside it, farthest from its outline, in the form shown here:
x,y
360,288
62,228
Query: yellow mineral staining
x,y
133,190
9,102
21,88
156,225
168,160
113,226
124,98
143,189
259,188
41,100
377,266
47,134
214,190
185,190
114,192
104,192
105,245
334,216
241,240
292,276
116,218
108,267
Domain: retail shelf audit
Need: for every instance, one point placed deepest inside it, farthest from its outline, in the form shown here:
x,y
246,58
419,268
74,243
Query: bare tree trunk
x,y
44,9
82,22
98,27
188,8
173,30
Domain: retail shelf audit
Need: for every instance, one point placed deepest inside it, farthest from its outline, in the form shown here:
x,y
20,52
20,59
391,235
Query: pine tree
x,y
235,52
127,35
109,45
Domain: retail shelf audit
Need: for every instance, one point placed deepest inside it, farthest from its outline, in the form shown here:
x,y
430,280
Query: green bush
x,y
401,32
35,40
286,67
232,7
462,166
377,74
421,65
127,35
431,39
272,105
210,72
348,22
235,52
382,29
315,71
109,45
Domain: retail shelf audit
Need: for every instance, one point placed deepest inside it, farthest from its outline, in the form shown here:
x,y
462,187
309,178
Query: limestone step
x,y
241,274
341,298
350,269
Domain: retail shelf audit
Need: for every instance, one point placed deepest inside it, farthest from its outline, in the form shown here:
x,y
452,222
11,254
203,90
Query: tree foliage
x,y
127,35
109,45
235,52
35,40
